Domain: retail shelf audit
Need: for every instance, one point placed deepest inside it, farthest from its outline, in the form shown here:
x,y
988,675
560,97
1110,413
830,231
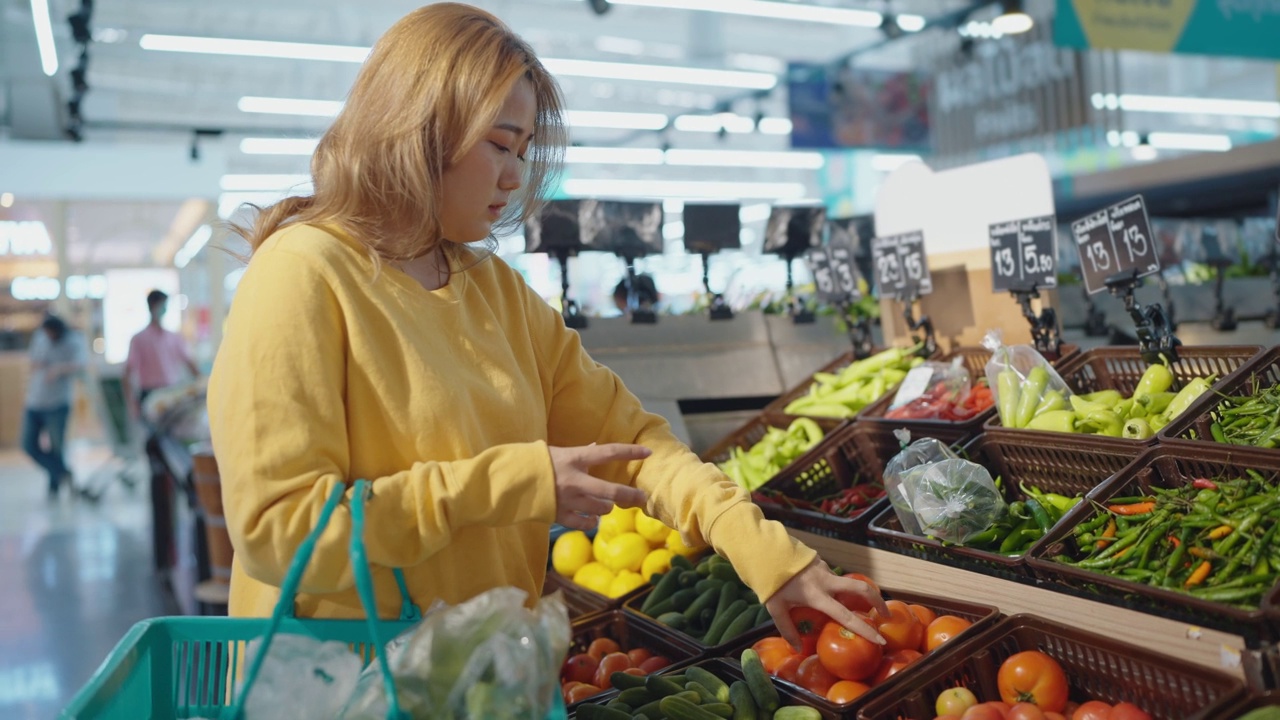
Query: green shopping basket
x,y
176,668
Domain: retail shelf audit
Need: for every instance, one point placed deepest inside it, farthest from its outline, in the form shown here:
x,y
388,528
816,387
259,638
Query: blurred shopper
x,y
57,356
368,340
157,357
646,294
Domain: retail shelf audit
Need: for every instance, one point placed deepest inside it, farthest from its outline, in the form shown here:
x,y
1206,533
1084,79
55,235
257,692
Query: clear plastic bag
x,y
1024,384
934,379
936,493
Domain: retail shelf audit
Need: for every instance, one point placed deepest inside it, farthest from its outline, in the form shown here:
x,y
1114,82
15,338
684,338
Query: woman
x,y
368,341
56,358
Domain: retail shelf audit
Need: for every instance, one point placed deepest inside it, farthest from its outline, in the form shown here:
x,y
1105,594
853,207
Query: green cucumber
x,y
703,602
744,704
681,562
688,696
742,622
722,621
762,616
680,709
797,712
710,682
762,689
728,593
705,583
689,578
637,696
724,710
665,588
674,620
626,681
683,599
653,710
726,573
706,695
588,711
662,687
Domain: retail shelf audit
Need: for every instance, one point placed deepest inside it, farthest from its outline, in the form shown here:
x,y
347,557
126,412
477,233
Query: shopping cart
x,y
106,395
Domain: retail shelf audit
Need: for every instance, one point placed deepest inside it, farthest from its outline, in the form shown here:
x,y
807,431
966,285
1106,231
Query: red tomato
x,y
1092,710
955,701
893,663
635,671
1070,709
790,668
942,629
1054,716
923,614
1128,711
1000,705
985,711
1031,676
846,691
610,664
1024,711
901,630
815,678
847,655
773,651
582,692
564,691
601,647
809,624
947,717
579,668
855,602
638,656
654,664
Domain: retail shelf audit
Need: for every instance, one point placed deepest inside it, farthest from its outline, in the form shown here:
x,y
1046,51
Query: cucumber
x,y
706,695
688,696
762,616
708,583
689,578
677,679
626,681
681,562
661,687
600,712
704,601
710,682
637,697
728,593
744,705
640,716
683,599
722,621
744,621
705,618
716,559
681,709
652,710
674,620
618,705
797,712
704,567
724,710
765,694
665,588
725,572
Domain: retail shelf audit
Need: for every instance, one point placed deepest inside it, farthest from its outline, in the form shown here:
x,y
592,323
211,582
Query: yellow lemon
x,y
657,561
625,552
676,545
652,530
594,576
625,582
599,546
572,550
617,521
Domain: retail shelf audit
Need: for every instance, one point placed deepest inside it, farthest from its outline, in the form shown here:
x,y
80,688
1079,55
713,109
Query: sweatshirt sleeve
x,y
278,418
588,403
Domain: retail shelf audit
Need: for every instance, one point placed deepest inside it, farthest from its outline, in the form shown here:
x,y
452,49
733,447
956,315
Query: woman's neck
x,y
431,270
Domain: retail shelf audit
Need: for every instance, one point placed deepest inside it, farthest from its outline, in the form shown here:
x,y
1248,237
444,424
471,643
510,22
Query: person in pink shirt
x,y
157,357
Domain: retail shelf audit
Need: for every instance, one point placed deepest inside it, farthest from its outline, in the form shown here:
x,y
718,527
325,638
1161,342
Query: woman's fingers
x,y
786,628
851,586
846,617
577,521
593,455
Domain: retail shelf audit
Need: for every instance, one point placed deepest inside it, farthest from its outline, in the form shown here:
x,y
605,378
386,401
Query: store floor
x,y
74,576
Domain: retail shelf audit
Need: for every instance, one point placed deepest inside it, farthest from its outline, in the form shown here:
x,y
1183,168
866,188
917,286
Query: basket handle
x,y
364,587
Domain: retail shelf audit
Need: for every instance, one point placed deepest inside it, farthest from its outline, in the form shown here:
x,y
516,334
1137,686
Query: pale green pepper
x,y
1185,397
1084,407
1137,429
1110,398
1104,422
1052,400
1031,391
1054,421
1007,395
1155,379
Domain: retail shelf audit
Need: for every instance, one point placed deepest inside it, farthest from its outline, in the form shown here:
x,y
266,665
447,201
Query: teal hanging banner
x,y
1239,28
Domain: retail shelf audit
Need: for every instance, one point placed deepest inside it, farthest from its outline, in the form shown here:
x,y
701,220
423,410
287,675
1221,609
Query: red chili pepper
x,y
1176,542
1204,484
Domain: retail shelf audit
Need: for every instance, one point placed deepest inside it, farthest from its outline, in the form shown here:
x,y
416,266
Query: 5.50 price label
x,y
901,268
1115,240
1024,254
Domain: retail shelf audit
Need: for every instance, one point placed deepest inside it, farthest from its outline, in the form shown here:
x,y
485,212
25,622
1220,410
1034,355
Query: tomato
x,y
582,692
638,656
847,655
846,691
815,678
635,671
1054,716
1092,710
790,668
1070,709
893,663
1024,711
610,664
809,624
901,630
942,629
923,614
947,717
564,691
955,701
601,647
773,651
1031,676
1128,711
654,664
579,668
985,711
855,602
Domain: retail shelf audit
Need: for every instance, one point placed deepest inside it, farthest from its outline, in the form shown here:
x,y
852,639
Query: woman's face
x,y
478,186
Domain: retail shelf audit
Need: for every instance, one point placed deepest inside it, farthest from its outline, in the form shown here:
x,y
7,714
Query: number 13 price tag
x,y
1115,240
834,273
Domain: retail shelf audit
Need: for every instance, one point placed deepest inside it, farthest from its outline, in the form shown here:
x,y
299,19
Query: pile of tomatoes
x,y
1032,687
587,674
943,403
841,666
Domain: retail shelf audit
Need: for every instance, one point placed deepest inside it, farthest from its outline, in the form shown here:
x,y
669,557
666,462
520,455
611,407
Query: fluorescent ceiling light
x,y
755,213
278,146
759,63
585,187
1189,141
618,156
1012,23
673,231
264,183
673,207
1113,138
619,45
44,36
253,48
290,106
615,120
1129,138
775,10
774,126
888,162
728,122
192,246
911,23
661,73
1144,152
6,200
746,158
1176,104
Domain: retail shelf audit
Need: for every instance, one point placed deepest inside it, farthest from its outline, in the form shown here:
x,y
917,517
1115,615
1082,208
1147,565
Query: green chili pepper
x,y
1030,396
1218,435
1008,396
1155,379
1041,516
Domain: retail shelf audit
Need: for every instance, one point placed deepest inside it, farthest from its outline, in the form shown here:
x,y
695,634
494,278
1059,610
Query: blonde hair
x,y
432,87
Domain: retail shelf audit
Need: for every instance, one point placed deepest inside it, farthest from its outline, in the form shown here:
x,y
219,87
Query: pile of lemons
x,y
628,549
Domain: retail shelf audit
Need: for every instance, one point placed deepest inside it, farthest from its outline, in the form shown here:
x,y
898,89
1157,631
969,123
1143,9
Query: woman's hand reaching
x,y
581,498
819,588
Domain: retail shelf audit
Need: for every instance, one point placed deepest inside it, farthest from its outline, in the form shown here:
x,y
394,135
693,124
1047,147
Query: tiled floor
x,y
74,576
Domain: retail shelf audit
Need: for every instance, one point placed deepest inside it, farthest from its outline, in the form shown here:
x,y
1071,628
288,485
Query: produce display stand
x,y
630,632
1193,427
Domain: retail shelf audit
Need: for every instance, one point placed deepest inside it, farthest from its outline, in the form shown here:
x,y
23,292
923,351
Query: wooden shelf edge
x,y
1203,646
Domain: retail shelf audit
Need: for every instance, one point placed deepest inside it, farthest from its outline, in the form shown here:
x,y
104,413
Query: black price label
x,y
1024,254
1115,240
819,263
901,269
845,269
834,273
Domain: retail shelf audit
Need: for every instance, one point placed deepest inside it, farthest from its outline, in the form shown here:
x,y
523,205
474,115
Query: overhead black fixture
x,y
198,133
599,7
890,27
79,21
1013,18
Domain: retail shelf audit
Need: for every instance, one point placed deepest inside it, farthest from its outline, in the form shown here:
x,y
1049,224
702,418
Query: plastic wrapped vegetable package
x,y
936,493
1029,392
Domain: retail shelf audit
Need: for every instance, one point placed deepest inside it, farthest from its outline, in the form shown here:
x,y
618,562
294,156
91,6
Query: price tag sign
x,y
901,269
845,269
1115,240
884,255
1024,254
819,263
834,273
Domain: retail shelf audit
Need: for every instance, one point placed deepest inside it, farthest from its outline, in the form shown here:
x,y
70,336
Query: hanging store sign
x,y
24,237
1027,87
1237,28
844,107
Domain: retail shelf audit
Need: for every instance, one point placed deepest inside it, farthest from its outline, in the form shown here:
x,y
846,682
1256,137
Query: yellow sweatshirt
x,y
447,401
